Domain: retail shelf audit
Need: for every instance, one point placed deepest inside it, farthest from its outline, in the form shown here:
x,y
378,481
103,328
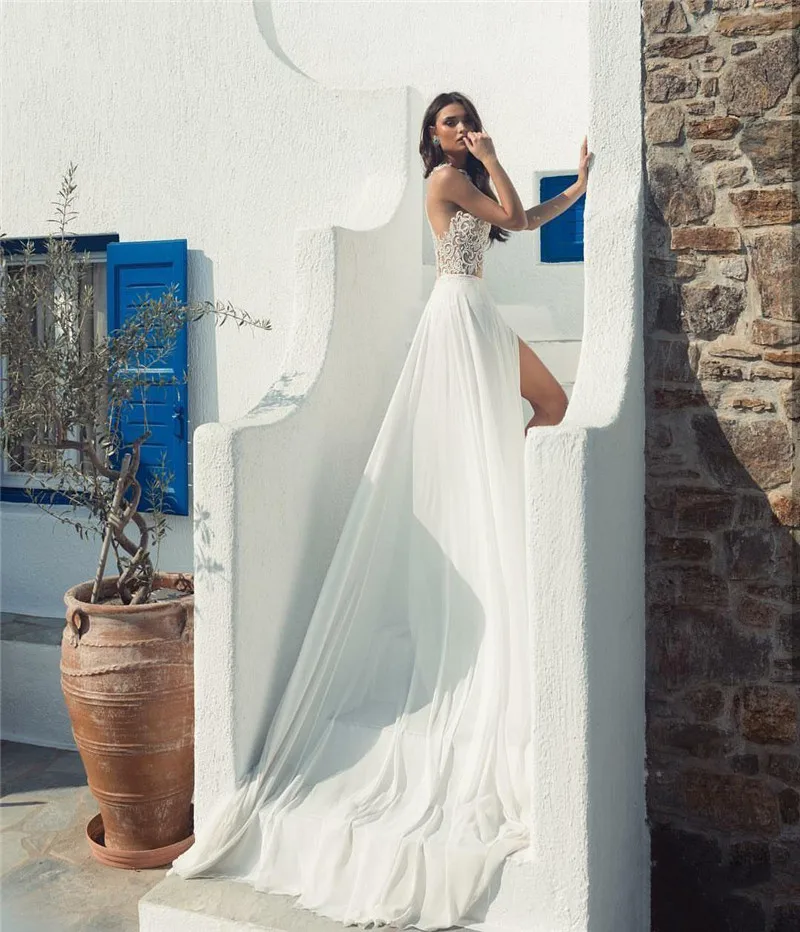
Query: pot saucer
x,y
132,860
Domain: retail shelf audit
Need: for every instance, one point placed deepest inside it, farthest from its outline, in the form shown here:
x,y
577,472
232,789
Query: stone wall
x,y
723,506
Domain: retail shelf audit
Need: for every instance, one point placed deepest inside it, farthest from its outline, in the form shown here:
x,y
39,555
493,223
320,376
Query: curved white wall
x,y
281,140
585,501
182,124
585,492
236,124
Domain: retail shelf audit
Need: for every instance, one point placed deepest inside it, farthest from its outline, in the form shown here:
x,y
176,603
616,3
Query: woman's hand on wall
x,y
583,164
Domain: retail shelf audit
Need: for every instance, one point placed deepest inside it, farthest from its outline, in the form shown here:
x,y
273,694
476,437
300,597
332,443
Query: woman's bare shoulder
x,y
444,180
440,207
447,165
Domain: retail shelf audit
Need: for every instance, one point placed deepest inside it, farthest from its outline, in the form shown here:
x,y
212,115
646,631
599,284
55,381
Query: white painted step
x,y
508,906
541,322
212,905
531,321
560,356
208,905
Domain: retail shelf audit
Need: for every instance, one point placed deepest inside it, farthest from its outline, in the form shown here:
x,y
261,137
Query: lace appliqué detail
x,y
460,250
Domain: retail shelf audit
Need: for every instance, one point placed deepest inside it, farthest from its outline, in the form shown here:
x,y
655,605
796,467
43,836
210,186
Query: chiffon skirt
x,y
396,773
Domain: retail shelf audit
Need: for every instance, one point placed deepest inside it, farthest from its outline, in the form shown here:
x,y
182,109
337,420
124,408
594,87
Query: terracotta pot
x,y
127,677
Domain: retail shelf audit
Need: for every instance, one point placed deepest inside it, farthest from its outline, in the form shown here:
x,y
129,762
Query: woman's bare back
x,y
440,212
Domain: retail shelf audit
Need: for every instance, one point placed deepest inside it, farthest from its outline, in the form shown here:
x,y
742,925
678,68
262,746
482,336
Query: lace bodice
x,y
460,250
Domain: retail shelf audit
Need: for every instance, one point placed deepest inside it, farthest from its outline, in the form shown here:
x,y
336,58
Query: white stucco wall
x,y
182,124
586,540
585,500
235,124
281,140
32,703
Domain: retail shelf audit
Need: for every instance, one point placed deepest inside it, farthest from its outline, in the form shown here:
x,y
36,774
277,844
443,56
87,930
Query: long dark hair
x,y
432,155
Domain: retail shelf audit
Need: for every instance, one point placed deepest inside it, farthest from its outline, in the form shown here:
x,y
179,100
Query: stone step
x,y
508,906
33,705
210,905
207,904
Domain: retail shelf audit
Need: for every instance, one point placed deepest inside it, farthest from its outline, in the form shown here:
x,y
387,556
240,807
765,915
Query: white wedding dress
x,y
396,774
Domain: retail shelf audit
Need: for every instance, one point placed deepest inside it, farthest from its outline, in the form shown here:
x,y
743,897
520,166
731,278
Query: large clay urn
x,y
127,677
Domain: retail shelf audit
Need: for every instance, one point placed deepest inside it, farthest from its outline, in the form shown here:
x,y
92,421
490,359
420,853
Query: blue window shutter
x,y
562,237
134,271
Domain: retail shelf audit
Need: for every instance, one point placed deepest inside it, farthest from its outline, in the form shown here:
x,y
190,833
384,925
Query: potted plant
x,y
127,646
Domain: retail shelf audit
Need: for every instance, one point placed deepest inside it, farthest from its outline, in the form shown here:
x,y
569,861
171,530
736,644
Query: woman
x,y
396,774
451,123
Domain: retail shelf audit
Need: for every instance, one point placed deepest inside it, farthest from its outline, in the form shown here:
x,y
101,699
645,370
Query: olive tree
x,y
65,390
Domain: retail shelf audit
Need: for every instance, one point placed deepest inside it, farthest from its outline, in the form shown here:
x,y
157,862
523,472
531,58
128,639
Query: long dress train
x,y
395,777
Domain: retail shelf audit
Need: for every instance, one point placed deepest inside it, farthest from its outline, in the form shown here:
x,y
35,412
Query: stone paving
x,y
49,880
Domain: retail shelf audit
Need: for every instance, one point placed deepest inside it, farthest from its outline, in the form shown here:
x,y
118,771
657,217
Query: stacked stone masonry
x,y
722,349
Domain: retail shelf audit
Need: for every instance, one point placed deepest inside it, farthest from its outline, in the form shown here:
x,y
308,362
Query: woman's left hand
x,y
583,164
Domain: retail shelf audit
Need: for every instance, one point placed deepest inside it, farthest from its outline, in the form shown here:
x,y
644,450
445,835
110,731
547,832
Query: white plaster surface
x,y
236,124
183,124
33,709
585,528
280,139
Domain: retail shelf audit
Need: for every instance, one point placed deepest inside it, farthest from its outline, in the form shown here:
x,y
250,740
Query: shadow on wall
x,y
262,10
203,392
722,627
391,633
202,343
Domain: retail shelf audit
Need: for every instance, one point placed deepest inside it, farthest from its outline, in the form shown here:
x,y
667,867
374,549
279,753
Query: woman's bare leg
x,y
539,387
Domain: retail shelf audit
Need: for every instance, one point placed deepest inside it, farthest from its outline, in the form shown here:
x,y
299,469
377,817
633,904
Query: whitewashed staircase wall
x,y
587,868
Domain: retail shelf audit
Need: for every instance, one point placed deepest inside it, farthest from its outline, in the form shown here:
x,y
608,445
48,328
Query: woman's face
x,y
452,124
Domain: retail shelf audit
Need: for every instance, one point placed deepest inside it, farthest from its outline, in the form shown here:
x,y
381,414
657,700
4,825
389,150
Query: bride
x,y
396,774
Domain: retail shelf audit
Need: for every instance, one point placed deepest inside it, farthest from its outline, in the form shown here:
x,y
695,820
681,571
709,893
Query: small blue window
x,y
562,237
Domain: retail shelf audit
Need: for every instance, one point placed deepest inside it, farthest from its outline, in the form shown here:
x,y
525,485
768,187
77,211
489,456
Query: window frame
x,y
13,486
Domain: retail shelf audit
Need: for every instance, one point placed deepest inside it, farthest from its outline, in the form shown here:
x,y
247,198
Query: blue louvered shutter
x,y
134,271
562,237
